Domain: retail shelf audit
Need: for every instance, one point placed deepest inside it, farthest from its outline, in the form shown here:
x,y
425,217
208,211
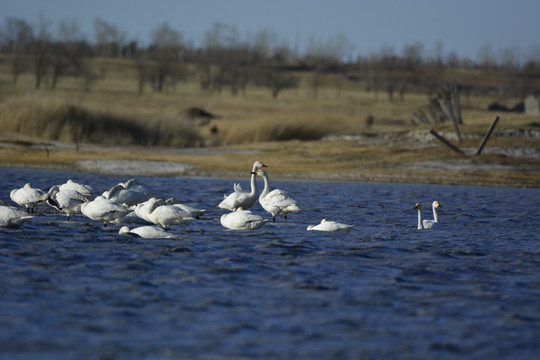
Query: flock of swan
x,y
131,202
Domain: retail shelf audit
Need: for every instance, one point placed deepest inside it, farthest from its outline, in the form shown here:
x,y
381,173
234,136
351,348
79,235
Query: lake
x,y
471,289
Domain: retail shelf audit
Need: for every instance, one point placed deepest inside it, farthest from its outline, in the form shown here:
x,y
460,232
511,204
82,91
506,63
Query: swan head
x,y
258,165
436,204
417,206
260,172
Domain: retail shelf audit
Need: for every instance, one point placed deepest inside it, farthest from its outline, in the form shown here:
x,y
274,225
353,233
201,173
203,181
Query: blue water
x,y
76,290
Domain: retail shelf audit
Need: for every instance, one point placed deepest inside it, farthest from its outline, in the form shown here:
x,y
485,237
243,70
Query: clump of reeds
x,y
263,130
72,123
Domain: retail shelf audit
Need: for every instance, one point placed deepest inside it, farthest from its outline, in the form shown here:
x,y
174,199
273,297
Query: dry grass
x,y
285,132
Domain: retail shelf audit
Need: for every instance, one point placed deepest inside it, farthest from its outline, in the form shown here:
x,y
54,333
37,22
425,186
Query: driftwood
x,y
446,142
488,134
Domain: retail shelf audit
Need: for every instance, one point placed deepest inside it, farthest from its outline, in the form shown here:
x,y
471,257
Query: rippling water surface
x,y
76,290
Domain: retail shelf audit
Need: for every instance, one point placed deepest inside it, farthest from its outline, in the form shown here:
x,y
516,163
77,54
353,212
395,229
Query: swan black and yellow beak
x,y
417,206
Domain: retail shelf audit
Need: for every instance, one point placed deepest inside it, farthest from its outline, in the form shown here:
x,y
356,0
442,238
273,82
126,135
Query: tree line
x,y
226,60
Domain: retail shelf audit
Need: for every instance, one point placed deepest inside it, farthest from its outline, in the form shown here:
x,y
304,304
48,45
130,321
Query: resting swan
x,y
276,202
240,198
428,224
27,197
11,217
146,232
68,201
104,210
330,226
242,220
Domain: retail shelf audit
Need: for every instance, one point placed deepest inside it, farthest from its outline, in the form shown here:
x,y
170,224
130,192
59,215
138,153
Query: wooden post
x,y
457,106
488,134
446,142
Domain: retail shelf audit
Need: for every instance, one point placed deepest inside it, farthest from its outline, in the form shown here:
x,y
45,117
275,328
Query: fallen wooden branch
x,y
488,134
446,142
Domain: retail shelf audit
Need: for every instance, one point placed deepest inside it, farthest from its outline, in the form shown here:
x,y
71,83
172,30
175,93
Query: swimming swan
x,y
104,210
68,201
240,198
11,217
276,202
242,220
27,197
430,224
146,232
330,226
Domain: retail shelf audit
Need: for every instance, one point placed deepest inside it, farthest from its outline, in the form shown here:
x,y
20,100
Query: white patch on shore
x,y
133,167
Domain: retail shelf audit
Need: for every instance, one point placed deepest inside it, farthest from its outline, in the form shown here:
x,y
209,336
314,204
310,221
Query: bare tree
x,y
16,36
41,50
277,81
166,53
109,40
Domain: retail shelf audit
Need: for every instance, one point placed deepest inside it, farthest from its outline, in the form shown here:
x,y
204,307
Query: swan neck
x,y
266,189
420,225
435,217
253,184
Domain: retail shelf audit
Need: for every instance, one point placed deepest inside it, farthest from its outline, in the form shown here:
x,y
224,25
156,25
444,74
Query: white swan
x,y
27,197
146,232
240,198
276,202
433,224
242,220
11,217
420,225
143,209
124,196
196,213
84,190
103,210
135,185
330,226
67,201
157,212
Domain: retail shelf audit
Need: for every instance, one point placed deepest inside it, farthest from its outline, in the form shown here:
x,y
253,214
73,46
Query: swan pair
x,y
428,224
276,202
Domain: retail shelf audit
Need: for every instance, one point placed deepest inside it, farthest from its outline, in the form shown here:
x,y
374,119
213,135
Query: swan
x,y
104,210
27,197
84,190
142,210
420,225
241,198
67,201
330,226
135,185
146,232
196,213
157,212
124,196
276,202
242,220
11,217
432,224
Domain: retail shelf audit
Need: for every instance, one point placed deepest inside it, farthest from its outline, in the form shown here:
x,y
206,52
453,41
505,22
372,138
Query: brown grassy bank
x,y
291,133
